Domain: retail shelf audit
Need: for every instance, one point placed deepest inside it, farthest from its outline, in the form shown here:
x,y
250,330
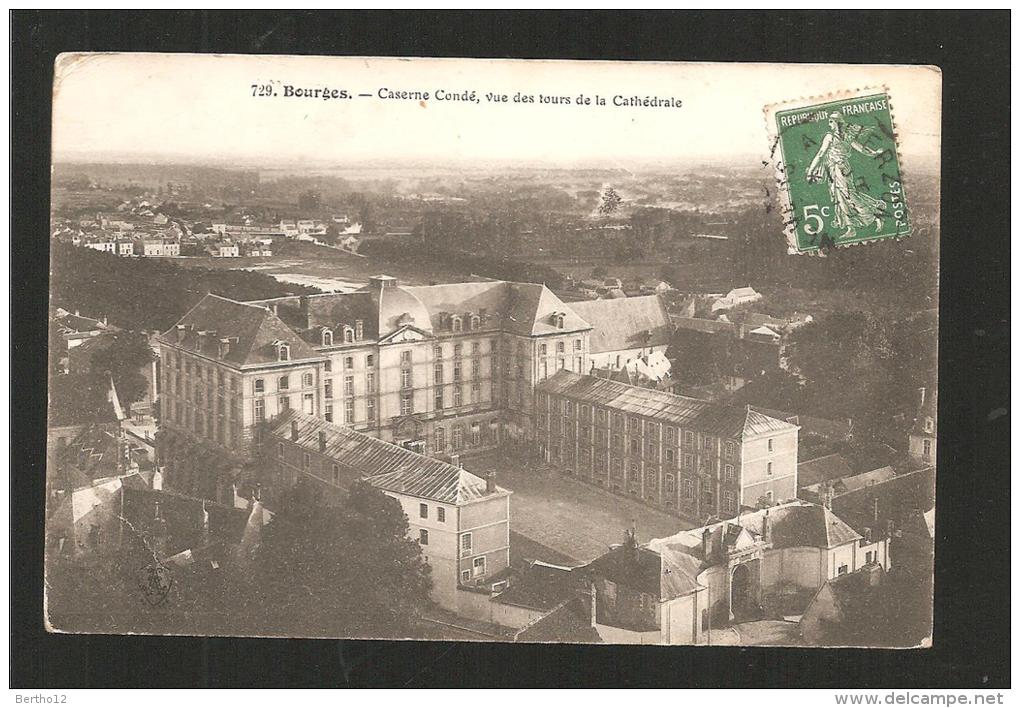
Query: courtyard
x,y
574,520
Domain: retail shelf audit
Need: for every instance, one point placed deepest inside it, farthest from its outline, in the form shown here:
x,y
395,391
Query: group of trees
x,y
83,394
348,571
857,365
147,293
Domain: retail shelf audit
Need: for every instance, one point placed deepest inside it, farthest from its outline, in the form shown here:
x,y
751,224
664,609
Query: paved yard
x,y
576,520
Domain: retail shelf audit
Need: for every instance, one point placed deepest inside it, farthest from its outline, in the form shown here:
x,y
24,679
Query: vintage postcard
x,y
493,350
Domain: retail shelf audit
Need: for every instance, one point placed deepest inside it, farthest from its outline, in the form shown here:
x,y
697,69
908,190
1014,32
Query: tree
x,y
348,572
698,358
123,357
310,200
864,367
78,398
610,202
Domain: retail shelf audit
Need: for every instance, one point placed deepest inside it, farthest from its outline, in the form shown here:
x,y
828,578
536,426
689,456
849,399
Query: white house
x,y
736,297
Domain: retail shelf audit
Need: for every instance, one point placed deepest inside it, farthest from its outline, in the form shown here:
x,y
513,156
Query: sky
x,y
187,107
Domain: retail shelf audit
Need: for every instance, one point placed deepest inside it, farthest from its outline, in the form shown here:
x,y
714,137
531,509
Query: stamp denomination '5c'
x,y
838,170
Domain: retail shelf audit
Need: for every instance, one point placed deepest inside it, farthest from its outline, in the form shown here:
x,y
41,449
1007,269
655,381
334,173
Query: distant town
x,y
534,405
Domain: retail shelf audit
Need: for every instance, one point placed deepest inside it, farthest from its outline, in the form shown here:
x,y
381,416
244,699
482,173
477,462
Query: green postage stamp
x,y
838,170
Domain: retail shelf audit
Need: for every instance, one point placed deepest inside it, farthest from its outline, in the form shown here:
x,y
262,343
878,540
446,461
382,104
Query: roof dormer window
x,y
457,323
476,322
282,351
348,335
559,319
929,425
327,337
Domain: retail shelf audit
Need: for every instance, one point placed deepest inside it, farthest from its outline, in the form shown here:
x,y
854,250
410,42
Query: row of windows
x,y
216,428
348,362
349,334
475,435
349,414
284,404
423,512
456,322
348,382
638,426
458,349
211,374
707,465
439,371
439,396
669,489
283,383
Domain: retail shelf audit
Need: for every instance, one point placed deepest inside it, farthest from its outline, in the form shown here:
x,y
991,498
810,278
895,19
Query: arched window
x,y
476,321
327,337
348,335
559,320
283,351
456,323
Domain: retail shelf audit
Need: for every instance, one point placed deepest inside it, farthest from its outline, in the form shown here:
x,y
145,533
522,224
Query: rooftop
x,y
250,331
385,465
823,469
384,306
569,622
627,323
733,422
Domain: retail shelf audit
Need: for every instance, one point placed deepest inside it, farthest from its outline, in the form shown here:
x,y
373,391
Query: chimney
x,y
490,483
293,430
630,545
874,574
322,441
706,544
766,528
455,460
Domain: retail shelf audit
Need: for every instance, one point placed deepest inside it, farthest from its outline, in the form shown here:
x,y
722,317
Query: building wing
x,y
628,323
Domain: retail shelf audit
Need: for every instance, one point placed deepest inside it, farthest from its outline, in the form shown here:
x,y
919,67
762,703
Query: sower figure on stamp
x,y
853,208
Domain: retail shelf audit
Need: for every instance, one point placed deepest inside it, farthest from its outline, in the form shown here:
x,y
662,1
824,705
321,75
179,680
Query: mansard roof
x,y
735,422
252,332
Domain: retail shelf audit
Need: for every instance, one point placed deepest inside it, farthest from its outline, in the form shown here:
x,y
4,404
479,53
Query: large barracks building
x,y
702,459
437,369
456,368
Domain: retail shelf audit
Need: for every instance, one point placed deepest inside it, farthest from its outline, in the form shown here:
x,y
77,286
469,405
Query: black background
x,y
972,619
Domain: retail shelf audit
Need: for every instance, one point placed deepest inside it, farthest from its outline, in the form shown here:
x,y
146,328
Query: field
x,y
329,269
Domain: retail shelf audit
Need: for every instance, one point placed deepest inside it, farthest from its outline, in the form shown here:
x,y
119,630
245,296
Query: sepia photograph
x,y
493,350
